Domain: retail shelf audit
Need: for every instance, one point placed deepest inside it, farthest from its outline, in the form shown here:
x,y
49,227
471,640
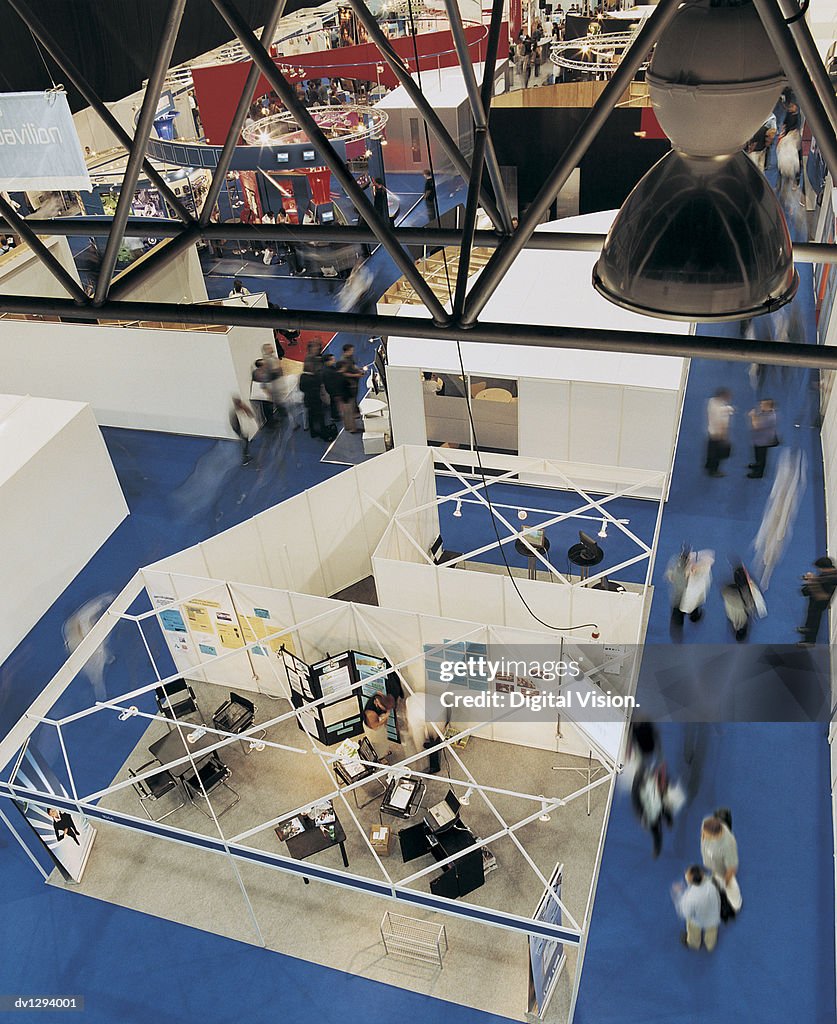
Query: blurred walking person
x,y
243,423
718,415
776,528
743,601
690,577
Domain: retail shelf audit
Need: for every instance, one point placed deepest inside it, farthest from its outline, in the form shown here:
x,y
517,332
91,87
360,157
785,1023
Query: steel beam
x,y
477,160
498,265
137,153
78,80
240,114
779,34
813,62
428,114
541,241
538,335
306,122
20,227
478,111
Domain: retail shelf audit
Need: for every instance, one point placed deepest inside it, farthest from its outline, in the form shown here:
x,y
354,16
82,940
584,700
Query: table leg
x,y
343,854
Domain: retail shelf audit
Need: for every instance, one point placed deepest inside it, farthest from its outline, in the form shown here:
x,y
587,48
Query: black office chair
x,y
238,714
211,775
154,787
177,699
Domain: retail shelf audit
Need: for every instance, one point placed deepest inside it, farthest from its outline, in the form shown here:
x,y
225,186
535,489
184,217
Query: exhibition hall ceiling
x,y
113,41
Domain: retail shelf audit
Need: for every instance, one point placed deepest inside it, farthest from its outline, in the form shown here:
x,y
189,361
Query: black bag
x,y
329,431
727,913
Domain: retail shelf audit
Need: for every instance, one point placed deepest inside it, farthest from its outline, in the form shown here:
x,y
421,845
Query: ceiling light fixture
x,y
458,510
702,236
544,815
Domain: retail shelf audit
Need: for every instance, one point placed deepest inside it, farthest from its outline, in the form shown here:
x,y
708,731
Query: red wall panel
x,y
218,87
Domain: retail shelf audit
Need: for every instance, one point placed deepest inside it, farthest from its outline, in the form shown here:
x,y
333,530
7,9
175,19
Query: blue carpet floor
x,y
776,962
772,965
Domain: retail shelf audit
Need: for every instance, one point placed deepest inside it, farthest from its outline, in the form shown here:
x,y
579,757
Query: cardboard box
x,y
380,836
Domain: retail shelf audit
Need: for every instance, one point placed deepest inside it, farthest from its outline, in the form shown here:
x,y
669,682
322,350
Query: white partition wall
x,y
59,502
147,376
22,273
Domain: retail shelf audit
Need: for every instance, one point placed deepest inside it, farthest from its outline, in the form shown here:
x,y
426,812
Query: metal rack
x,y
413,939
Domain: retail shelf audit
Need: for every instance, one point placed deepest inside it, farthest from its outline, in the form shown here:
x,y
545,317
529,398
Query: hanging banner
x,y
67,835
39,145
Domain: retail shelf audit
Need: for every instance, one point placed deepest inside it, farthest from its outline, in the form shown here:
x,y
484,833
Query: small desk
x,y
172,747
460,877
541,548
314,840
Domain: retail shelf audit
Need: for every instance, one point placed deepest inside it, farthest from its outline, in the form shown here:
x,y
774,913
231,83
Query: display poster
x,y
39,145
546,956
197,615
230,635
67,835
172,621
334,677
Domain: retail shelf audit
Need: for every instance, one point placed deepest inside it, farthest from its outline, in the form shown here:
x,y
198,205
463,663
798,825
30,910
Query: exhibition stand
x,y
581,409
286,676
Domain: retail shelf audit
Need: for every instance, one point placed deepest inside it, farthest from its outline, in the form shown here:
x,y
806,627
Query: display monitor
x,y
308,154
326,216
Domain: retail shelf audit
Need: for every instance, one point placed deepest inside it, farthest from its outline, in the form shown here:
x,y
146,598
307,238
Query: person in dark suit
x,y
335,386
380,200
63,825
819,588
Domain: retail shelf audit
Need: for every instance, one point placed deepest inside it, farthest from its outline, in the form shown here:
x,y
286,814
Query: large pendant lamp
x,y
702,236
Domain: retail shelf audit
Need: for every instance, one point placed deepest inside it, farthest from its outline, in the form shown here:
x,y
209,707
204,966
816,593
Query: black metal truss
x,y
793,44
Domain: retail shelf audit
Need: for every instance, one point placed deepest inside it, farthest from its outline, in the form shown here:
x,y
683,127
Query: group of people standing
x,y
763,433
330,389
525,53
711,893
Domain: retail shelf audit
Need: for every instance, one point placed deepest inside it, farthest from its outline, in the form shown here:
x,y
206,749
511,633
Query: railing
x,y
153,325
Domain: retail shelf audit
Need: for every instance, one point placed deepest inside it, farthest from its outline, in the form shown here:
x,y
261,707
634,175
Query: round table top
x,y
495,395
370,406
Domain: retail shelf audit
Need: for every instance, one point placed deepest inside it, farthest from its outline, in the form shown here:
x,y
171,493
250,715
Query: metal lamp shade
x,y
699,239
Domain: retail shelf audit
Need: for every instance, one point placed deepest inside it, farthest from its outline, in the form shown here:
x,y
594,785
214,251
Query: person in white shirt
x,y
718,414
700,906
719,851
239,290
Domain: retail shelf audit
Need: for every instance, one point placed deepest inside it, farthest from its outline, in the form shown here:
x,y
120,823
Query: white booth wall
x,y
59,502
179,280
444,89
22,273
142,377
